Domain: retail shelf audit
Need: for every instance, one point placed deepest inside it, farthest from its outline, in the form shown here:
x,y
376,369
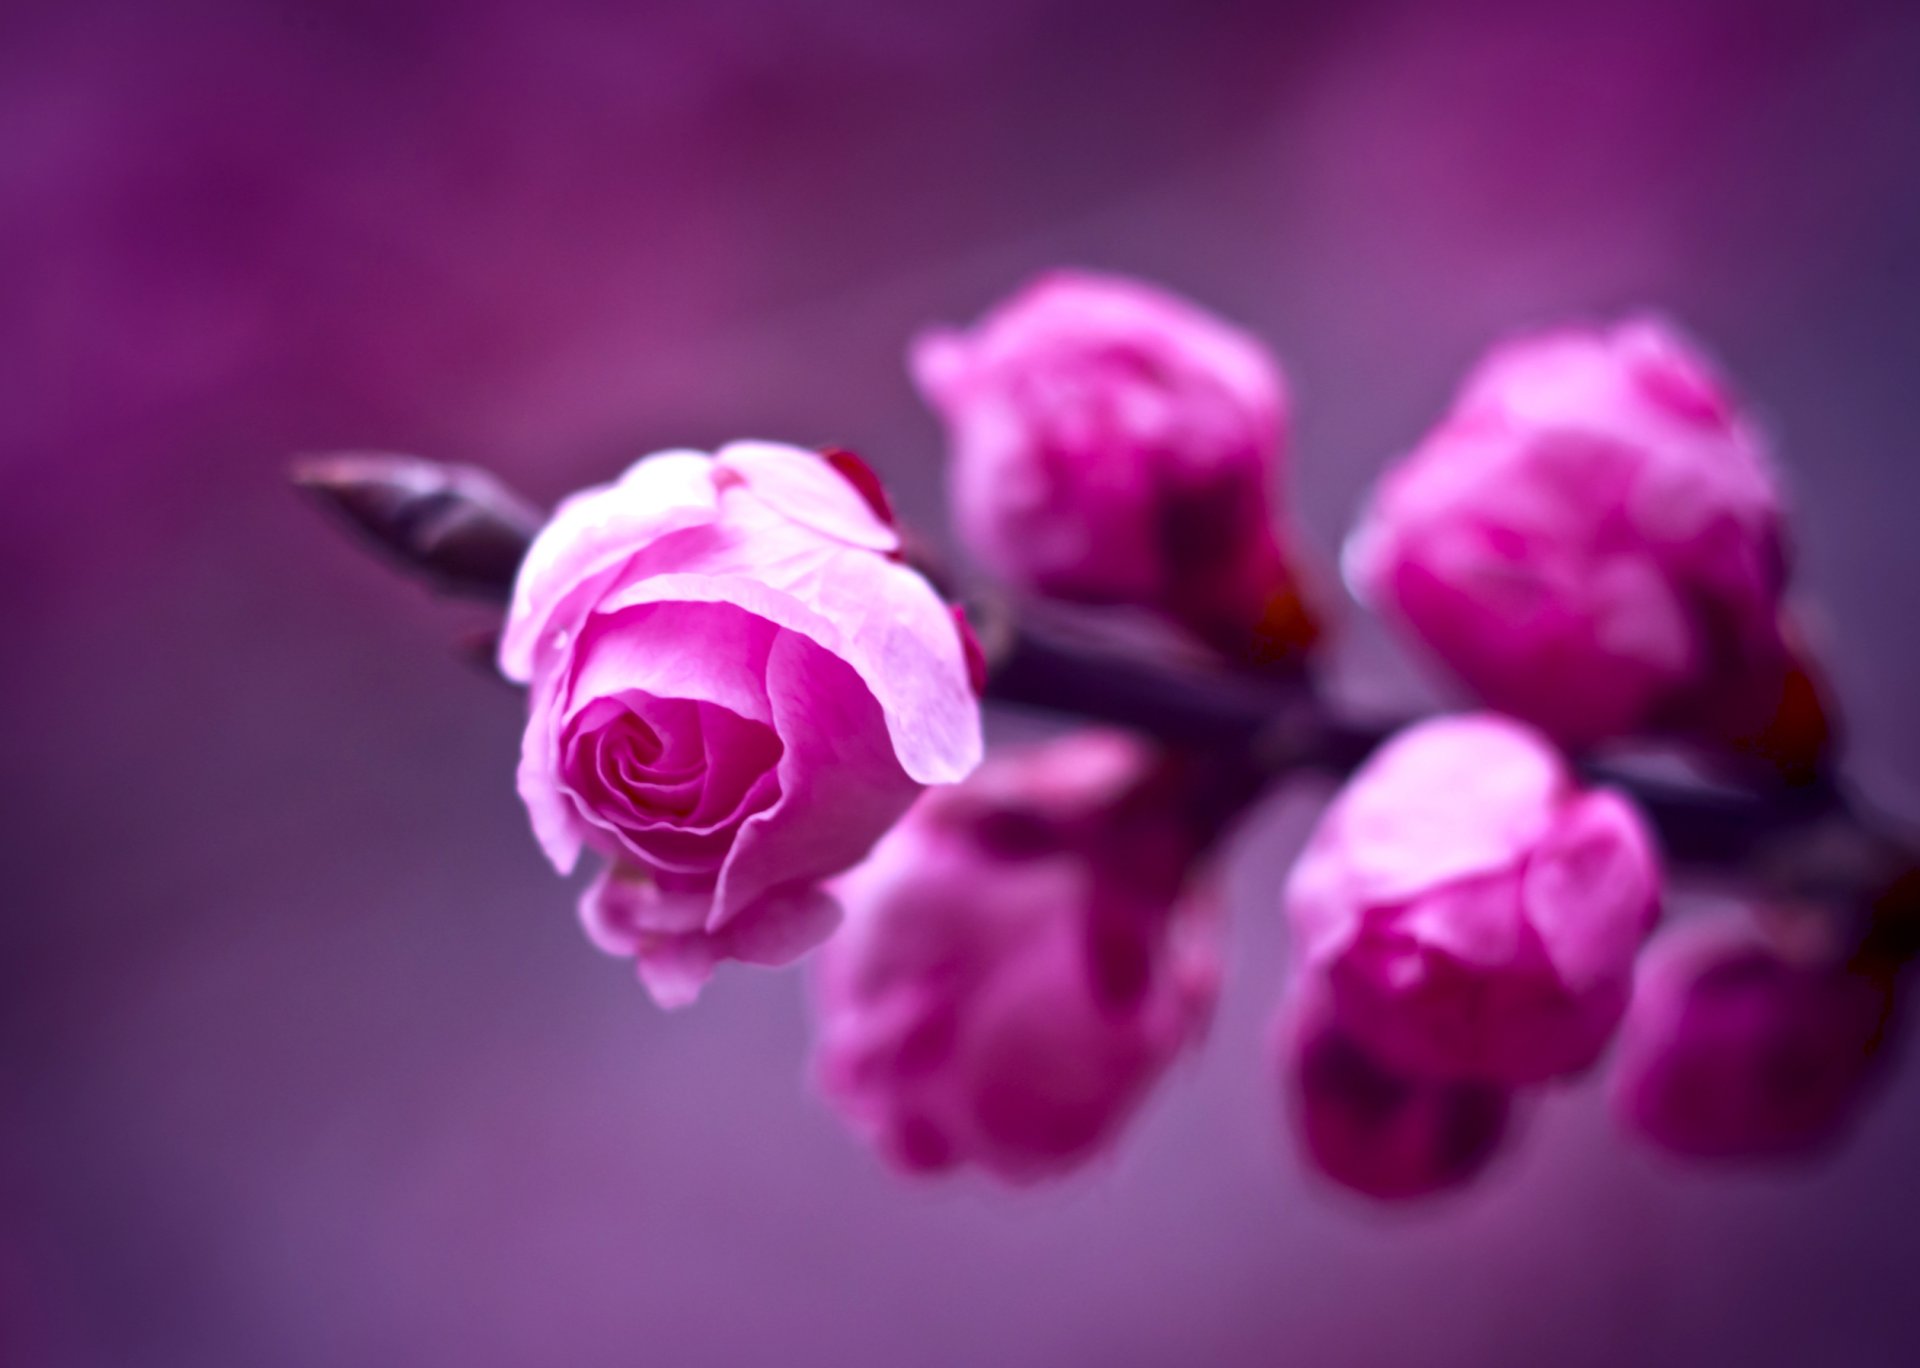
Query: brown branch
x,y
465,533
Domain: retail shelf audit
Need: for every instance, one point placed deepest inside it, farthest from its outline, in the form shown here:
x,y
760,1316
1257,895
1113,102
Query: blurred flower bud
x,y
1474,913
1372,1130
734,689
1018,964
1592,541
456,525
1112,443
1731,1050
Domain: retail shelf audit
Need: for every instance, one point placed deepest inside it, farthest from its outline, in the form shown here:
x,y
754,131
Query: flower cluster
x,y
751,705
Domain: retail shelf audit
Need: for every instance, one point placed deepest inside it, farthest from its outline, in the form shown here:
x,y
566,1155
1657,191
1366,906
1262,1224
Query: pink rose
x,y
1474,913
1017,966
1370,1129
735,688
1112,443
1732,1051
1592,541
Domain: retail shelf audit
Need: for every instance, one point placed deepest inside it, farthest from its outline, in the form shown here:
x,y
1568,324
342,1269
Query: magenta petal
x,y
713,652
1592,890
627,913
782,926
1473,915
841,783
883,620
1445,802
673,969
1373,1130
625,905
1592,540
1087,415
1731,1051
966,1010
556,823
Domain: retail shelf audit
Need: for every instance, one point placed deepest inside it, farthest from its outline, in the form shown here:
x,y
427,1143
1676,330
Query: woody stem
x,y
464,532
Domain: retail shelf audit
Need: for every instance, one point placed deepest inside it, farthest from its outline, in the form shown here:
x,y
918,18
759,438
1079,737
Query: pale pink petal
x,y
1592,890
1445,801
885,621
802,486
590,534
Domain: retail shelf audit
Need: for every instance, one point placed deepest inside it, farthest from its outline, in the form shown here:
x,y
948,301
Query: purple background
x,y
302,1060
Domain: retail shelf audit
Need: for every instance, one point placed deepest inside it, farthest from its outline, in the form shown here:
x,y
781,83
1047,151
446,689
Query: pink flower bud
x,y
1114,444
1592,541
1733,1051
1372,1130
734,691
1017,966
1474,913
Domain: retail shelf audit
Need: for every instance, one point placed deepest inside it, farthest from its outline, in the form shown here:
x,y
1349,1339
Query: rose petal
x,y
626,913
1592,890
1445,802
555,820
590,534
841,783
804,487
885,621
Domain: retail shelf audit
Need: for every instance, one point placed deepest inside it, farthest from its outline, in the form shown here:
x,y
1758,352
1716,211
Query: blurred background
x,y
303,1060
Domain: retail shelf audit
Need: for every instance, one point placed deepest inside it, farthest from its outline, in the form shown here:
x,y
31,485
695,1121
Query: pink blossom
x,y
1732,1050
1373,1130
1592,541
1018,965
1112,443
734,690
1474,913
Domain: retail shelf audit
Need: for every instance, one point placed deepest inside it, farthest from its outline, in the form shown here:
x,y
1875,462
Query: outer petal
x,y
673,969
1447,799
842,785
1732,1051
590,535
1592,890
1382,1134
556,826
883,620
625,913
626,906
802,486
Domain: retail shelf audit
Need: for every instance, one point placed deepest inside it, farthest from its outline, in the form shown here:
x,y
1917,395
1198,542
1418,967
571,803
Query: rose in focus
x,y
734,689
1472,912
1019,964
1114,444
1593,541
